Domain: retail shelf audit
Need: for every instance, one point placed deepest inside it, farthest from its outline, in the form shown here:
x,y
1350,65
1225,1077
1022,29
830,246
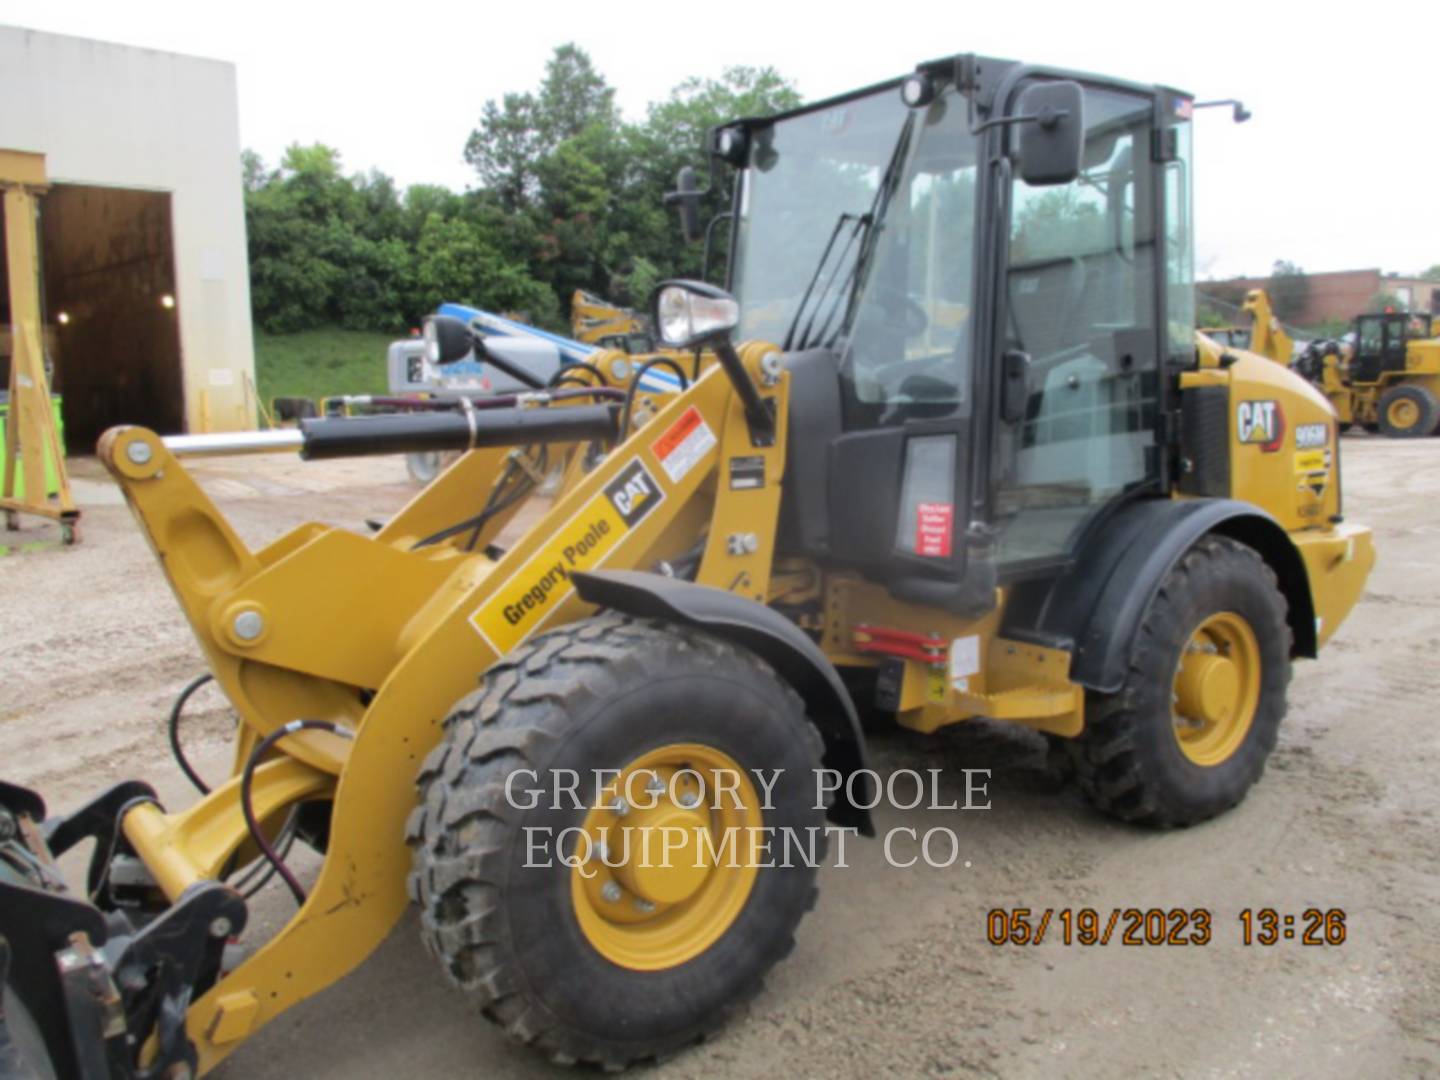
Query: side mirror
x,y
689,313
687,199
1052,135
447,339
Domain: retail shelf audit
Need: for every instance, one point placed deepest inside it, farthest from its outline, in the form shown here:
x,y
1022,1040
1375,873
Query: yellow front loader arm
x,y
381,637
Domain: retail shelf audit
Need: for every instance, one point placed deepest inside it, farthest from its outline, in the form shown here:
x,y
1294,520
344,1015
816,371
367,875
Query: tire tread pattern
x,y
1110,766
459,833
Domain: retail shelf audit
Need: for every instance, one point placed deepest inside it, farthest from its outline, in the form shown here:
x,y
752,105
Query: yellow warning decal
x,y
1308,461
542,584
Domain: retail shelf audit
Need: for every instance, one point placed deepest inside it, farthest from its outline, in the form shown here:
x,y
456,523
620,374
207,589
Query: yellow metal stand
x,y
30,435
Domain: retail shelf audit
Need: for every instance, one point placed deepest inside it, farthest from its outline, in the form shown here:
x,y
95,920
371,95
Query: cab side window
x,y
1080,303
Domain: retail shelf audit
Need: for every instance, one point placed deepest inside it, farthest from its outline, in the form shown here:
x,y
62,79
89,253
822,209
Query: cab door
x,y
1078,339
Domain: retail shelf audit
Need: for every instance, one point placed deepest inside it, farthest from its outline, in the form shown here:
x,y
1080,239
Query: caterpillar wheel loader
x,y
598,322
1265,335
604,758
1387,380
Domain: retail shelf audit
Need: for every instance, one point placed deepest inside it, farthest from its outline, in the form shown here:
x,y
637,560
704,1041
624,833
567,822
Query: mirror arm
x,y
758,417
514,371
1239,114
724,215
1044,119
672,197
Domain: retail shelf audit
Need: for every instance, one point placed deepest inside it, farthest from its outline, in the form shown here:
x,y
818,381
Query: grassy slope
x,y
318,363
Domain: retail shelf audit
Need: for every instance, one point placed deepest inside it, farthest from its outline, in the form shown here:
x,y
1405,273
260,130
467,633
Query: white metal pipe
x,y
280,441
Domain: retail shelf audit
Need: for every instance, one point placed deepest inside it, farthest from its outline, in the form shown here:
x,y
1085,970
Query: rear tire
x,y
1407,412
1141,758
520,939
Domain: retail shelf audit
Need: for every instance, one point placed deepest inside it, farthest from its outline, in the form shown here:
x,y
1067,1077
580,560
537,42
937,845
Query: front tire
x,y
1190,729
632,963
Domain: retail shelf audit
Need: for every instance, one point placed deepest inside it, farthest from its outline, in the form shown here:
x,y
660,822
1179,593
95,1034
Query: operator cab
x,y
1380,344
976,334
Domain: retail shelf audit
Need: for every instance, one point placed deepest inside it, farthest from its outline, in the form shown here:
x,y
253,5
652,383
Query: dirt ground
x,y
893,974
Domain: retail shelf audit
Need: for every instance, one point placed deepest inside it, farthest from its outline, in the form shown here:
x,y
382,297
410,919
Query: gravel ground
x,y
893,974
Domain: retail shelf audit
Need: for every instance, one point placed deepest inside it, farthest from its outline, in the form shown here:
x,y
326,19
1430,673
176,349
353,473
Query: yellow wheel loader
x,y
599,322
1265,335
1387,379
984,467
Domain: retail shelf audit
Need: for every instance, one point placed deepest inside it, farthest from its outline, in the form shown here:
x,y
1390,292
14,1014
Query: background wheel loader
x,y
1264,336
969,453
1388,379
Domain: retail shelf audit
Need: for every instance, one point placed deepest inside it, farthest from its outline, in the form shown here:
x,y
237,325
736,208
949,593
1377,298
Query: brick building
x,y
1339,294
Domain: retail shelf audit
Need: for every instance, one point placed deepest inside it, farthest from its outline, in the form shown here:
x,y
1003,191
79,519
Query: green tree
x,y
520,130
253,174
570,196
673,135
1433,274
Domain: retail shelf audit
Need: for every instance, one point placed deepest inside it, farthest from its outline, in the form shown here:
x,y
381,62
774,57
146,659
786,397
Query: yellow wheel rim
x,y
1403,414
668,858
1217,689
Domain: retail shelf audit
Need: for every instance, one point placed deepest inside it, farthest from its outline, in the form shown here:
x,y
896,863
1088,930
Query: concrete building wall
x,y
118,116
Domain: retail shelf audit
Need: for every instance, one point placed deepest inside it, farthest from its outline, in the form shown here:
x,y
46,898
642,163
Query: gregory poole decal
x,y
1260,423
519,607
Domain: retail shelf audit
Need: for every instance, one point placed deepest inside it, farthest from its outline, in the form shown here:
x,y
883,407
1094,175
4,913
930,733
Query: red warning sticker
x,y
684,445
934,526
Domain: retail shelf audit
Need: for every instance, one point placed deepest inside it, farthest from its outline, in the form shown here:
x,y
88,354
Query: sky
x,y
1337,169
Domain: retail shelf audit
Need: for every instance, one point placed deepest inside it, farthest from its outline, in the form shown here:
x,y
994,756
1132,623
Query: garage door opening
x,y
110,310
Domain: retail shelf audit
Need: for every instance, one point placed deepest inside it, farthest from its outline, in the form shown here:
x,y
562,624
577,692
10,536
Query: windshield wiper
x,y
863,229
860,224
889,182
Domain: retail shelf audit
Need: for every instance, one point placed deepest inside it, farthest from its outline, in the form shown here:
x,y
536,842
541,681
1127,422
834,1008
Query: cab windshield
x,y
855,230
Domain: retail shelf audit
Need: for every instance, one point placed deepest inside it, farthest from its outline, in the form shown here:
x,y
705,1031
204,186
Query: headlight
x,y
447,339
692,312
917,90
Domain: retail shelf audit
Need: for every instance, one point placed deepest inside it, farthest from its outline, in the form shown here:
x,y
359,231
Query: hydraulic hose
x,y
174,729
247,779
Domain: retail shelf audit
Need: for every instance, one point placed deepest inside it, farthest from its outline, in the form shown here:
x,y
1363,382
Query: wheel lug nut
x,y
611,892
644,907
619,808
689,800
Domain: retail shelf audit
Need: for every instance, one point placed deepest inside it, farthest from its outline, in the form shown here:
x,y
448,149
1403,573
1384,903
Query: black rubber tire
x,y
1424,400
1128,760
22,1047
597,694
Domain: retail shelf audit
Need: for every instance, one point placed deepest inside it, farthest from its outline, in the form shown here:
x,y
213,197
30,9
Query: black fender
x,y
770,636
1095,608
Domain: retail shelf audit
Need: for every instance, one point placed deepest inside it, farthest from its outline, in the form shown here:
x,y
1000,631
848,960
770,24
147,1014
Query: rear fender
x,y
1095,609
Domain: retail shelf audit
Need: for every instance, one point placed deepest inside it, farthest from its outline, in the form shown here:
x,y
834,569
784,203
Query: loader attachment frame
x,y
289,635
